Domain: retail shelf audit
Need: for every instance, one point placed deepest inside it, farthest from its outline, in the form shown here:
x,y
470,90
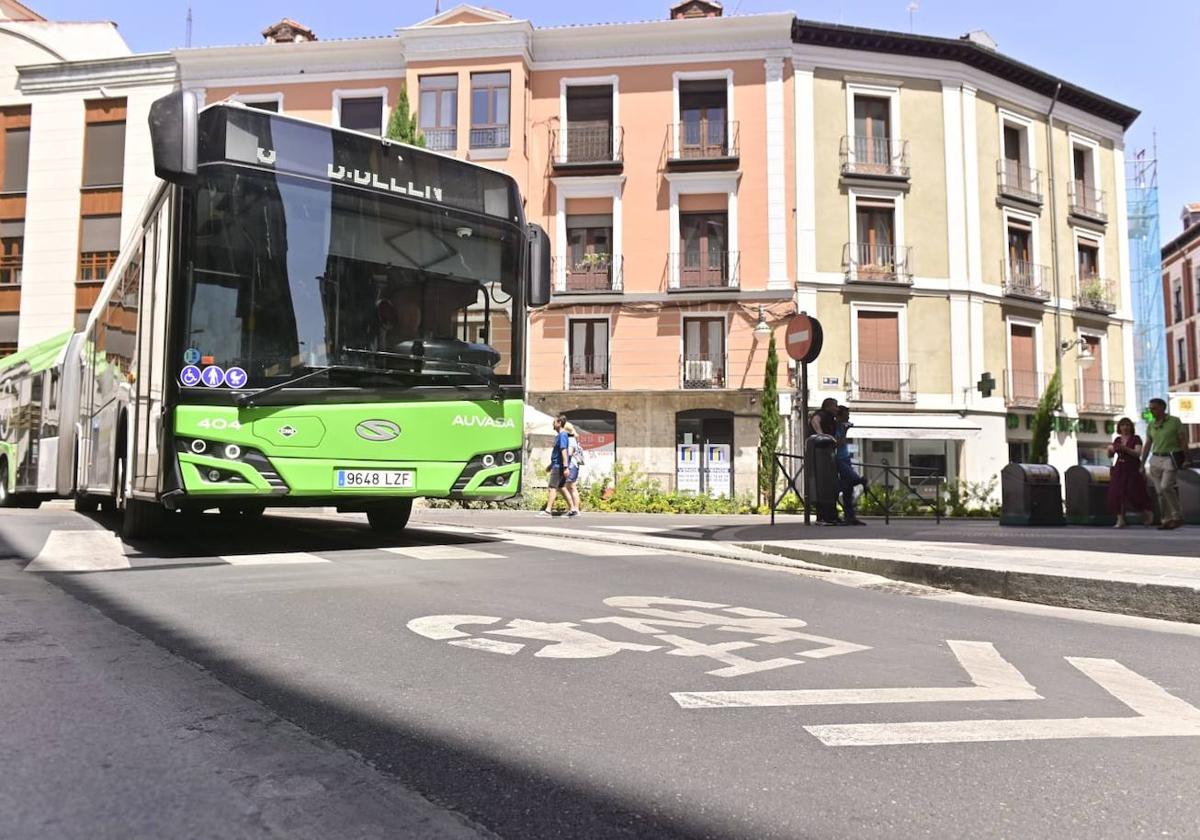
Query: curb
x,y
1147,600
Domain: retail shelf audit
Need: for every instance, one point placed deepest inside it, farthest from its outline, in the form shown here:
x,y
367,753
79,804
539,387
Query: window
x,y
104,154
489,110
437,112
872,133
589,354
589,123
879,374
703,352
1020,236
1017,177
1086,197
271,105
12,241
874,254
1024,387
704,260
1092,376
16,160
1177,301
703,118
1181,357
100,240
1089,261
362,114
590,257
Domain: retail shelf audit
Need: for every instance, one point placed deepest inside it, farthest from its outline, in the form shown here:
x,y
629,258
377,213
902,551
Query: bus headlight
x,y
199,446
233,451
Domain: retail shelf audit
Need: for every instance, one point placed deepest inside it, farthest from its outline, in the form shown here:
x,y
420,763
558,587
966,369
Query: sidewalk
x,y
1136,571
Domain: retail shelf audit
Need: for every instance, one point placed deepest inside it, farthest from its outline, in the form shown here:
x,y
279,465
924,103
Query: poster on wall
x,y
600,450
687,468
718,475
1186,407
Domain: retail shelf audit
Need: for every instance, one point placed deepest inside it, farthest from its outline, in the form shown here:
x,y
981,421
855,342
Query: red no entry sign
x,y
803,338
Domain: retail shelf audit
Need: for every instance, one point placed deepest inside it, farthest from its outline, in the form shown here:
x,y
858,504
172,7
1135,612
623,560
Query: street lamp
x,y
762,329
1084,357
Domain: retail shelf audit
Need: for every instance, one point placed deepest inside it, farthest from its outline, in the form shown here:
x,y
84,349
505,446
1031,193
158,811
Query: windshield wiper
x,y
248,400
475,372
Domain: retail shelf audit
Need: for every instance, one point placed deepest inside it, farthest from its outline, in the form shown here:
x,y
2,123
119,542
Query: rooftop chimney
x,y
978,36
1190,215
287,31
696,9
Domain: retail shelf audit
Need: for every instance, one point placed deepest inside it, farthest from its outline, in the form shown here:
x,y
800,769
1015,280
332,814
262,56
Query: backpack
x,y
576,453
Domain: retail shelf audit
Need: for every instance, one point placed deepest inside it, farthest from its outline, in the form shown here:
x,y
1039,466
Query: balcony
x,y
588,273
1086,203
440,139
587,373
1095,294
874,157
704,270
882,381
489,137
1024,279
886,264
703,371
703,144
1019,182
587,147
1100,396
1023,388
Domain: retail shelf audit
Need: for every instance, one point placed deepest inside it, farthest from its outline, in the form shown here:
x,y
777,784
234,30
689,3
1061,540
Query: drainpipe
x,y
1054,235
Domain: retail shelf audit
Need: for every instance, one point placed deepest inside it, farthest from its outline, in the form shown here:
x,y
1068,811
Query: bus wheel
x,y
142,519
5,498
390,517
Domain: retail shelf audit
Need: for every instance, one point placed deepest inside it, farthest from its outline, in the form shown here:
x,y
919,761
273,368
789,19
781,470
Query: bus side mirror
x,y
539,266
174,132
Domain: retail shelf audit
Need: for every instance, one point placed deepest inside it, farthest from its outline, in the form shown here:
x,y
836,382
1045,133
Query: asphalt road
x,y
545,687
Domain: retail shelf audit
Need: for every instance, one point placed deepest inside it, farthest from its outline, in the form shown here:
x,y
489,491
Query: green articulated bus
x,y
302,316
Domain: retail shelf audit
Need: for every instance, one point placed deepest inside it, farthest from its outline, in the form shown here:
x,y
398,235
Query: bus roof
x,y
231,132
38,357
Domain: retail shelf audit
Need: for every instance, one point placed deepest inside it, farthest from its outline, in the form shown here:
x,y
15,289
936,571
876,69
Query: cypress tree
x,y
403,126
769,425
1043,420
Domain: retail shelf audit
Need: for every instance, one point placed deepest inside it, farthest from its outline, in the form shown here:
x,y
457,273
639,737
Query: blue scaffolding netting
x,y
1145,263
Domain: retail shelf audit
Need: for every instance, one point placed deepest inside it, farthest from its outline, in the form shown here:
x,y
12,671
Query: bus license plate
x,y
372,479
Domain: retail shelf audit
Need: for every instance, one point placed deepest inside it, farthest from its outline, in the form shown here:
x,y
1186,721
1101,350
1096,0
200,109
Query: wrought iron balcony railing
x,y
440,139
703,370
587,143
704,270
867,263
1020,182
1095,294
701,140
1087,202
1023,388
588,273
1024,279
882,381
587,373
489,136
874,157
1100,396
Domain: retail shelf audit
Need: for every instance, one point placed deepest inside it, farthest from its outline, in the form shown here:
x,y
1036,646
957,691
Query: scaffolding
x,y
1149,355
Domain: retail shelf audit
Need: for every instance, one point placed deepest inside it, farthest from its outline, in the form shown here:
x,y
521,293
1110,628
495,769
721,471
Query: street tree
x,y
403,126
769,425
1043,420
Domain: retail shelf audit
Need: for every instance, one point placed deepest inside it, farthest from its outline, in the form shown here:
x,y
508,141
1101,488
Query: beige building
x,y
1181,296
701,176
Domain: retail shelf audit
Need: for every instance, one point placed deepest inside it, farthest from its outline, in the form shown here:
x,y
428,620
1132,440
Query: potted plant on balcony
x,y
1093,292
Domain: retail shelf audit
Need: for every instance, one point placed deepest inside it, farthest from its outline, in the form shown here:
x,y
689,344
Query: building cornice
x,y
467,40
961,51
123,72
1181,242
293,62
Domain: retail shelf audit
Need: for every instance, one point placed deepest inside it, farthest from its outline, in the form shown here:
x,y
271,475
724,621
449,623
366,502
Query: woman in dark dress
x,y
1127,485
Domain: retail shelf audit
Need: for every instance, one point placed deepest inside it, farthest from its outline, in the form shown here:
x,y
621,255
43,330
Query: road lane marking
x,y
441,552
490,645
1160,714
80,551
282,558
993,677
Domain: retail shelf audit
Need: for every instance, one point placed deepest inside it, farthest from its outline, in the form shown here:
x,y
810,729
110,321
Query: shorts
x,y
556,477
572,475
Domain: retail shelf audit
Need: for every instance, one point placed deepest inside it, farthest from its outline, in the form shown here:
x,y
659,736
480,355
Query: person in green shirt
x,y
1166,439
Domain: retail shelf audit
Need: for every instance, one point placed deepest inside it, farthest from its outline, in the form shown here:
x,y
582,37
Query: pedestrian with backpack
x,y
575,461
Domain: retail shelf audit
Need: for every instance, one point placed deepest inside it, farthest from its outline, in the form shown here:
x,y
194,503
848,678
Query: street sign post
x,y
803,339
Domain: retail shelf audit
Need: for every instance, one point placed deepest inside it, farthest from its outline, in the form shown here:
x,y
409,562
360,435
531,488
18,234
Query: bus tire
x,y
142,519
390,517
6,499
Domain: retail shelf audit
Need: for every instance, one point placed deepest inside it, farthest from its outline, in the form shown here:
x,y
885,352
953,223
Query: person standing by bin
x,y
848,477
1127,483
1164,455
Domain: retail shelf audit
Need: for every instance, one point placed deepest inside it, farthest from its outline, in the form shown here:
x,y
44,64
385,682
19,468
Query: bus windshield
x,y
289,274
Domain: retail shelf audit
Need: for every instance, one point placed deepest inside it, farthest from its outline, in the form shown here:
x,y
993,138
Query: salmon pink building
x,y
955,219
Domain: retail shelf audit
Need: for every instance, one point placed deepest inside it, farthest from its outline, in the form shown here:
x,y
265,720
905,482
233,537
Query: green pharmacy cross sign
x,y
985,385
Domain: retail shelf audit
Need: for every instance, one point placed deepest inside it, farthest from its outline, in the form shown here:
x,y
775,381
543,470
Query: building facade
x,y
1181,296
951,216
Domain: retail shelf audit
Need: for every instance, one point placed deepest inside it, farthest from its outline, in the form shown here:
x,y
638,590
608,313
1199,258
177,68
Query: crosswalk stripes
x,y
572,544
441,552
80,551
281,558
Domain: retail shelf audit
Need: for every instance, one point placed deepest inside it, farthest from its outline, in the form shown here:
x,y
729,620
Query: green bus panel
x,y
453,448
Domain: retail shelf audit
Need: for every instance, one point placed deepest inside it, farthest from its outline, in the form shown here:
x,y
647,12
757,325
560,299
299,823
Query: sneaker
x,y
856,522
573,513
544,513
